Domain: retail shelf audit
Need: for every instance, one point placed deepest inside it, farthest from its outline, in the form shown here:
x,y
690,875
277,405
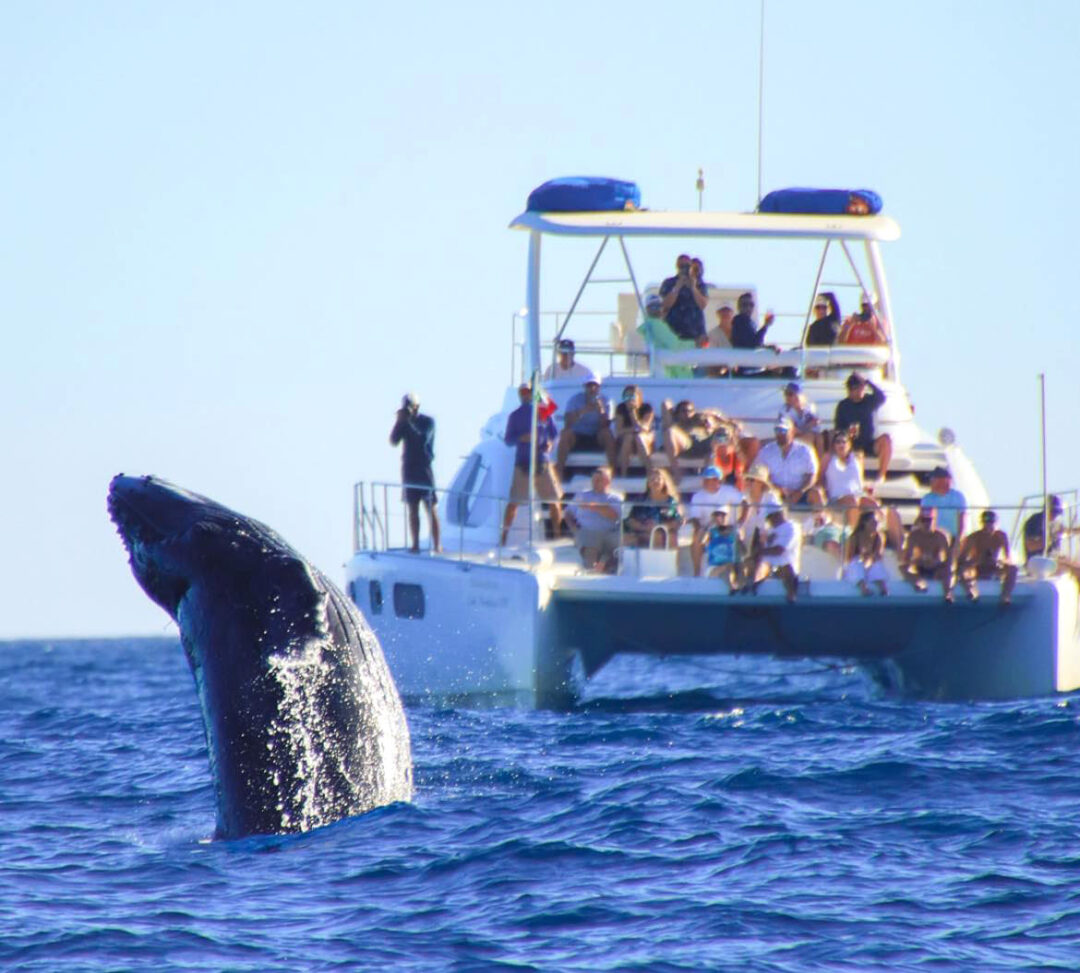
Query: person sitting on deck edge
x,y
984,556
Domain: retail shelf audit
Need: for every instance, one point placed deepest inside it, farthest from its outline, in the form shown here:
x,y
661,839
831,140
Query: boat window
x,y
375,597
466,506
408,600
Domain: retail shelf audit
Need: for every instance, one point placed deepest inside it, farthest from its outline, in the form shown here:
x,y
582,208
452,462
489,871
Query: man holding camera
x,y
587,426
416,433
684,298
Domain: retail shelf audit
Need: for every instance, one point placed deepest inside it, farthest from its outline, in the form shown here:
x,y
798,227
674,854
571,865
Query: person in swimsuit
x,y
926,555
984,556
865,549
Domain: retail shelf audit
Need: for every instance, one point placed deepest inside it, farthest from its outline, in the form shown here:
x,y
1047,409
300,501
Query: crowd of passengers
x,y
675,318
759,503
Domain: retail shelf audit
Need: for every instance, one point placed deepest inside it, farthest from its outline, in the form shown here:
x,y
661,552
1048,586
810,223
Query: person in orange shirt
x,y
864,328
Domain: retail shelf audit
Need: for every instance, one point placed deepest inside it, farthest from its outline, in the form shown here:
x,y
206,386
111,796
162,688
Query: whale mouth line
x,y
133,523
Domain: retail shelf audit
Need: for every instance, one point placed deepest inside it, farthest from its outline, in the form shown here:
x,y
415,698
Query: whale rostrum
x,y
304,724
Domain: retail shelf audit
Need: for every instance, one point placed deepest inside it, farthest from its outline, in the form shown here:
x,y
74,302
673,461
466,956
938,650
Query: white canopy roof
x,y
661,223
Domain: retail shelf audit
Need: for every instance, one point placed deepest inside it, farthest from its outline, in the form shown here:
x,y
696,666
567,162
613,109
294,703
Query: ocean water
x,y
690,814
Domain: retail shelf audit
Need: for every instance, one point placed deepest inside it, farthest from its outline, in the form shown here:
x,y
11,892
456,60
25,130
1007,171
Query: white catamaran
x,y
524,619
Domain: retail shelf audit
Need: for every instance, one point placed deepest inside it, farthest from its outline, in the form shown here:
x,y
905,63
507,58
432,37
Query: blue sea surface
x,y
690,814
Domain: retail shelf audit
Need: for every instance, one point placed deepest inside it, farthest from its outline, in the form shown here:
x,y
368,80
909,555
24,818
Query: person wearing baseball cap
x,y
416,433
778,552
565,366
950,504
545,482
803,417
713,495
586,425
792,465
856,415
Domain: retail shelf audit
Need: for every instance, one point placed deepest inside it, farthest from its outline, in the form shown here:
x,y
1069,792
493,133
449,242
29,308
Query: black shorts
x,y
927,574
698,449
416,494
586,441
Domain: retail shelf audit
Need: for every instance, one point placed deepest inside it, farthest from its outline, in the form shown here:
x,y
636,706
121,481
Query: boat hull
x,y
526,634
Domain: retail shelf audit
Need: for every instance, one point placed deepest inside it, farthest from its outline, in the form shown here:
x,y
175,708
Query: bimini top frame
x,y
868,230
660,223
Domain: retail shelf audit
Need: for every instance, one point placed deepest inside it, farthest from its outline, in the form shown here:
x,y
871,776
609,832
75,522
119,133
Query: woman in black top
x,y
826,326
634,422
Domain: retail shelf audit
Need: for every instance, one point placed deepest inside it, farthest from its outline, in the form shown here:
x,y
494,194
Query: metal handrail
x,y
374,525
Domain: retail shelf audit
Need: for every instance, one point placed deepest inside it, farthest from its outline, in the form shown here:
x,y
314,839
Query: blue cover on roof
x,y
584,194
833,202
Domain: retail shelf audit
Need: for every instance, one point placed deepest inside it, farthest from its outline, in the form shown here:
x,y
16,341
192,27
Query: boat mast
x,y
532,302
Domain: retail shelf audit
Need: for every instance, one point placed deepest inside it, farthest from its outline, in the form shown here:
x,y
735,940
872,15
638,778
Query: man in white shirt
x,y
566,367
792,464
714,495
779,554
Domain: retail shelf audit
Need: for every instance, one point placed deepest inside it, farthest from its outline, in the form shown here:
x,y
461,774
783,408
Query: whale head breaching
x,y
303,722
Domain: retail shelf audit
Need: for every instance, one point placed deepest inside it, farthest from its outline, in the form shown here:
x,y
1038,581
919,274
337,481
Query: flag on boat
x,y
545,404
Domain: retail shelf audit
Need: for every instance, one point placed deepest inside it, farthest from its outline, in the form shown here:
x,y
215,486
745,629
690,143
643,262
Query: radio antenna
x,y
760,96
1045,494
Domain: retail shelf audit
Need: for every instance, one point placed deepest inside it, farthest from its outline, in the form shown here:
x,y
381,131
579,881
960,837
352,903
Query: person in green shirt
x,y
658,334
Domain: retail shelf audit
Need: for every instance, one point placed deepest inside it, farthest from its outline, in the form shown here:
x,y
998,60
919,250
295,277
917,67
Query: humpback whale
x,y
304,724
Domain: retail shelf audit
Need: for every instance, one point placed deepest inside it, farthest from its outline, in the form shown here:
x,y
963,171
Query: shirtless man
x,y
984,556
926,554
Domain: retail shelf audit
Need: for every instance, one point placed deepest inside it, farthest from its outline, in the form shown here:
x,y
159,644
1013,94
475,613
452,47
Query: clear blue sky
x,y
233,235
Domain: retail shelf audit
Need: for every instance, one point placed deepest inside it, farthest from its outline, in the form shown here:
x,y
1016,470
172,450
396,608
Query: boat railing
x,y
1035,503
377,527
626,360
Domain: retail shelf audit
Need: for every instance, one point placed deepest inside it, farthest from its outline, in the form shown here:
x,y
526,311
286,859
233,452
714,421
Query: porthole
x,y
408,600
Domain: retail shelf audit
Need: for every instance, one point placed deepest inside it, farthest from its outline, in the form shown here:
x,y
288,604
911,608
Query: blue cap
x,y
712,471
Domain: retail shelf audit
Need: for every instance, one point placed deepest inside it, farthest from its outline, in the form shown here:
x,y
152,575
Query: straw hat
x,y
758,471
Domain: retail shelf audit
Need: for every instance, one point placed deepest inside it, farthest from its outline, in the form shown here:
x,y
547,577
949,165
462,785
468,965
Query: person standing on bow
x,y
683,300
416,433
545,482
